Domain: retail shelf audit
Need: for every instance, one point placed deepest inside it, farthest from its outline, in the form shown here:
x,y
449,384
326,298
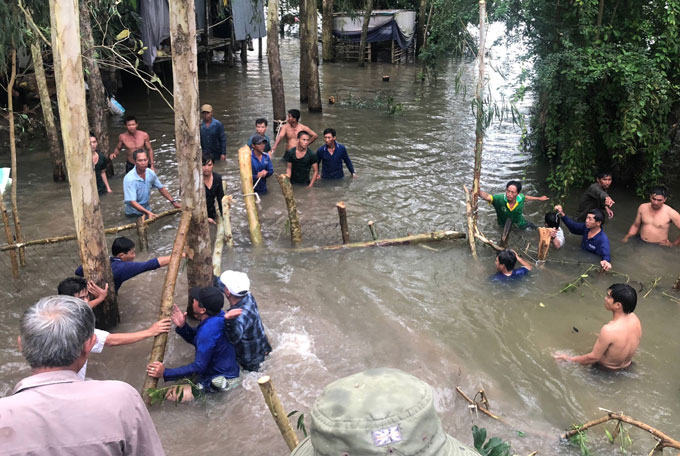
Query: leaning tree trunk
x,y
274,60
364,31
97,106
479,129
312,58
304,42
420,25
56,153
327,30
73,116
13,157
187,142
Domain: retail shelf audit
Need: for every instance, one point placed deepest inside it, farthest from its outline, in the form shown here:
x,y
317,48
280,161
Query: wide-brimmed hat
x,y
378,412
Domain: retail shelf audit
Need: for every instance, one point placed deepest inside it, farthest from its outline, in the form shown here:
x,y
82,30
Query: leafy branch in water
x,y
300,422
382,101
160,395
580,439
495,446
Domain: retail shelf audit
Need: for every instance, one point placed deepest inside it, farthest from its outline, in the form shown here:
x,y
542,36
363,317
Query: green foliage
x,y
300,422
605,93
381,101
623,435
580,439
493,447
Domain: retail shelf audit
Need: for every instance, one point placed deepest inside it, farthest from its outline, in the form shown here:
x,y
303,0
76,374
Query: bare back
x,y
621,338
655,224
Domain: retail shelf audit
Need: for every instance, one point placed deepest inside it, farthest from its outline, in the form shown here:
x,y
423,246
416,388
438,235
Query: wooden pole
x,y
411,239
274,63
342,215
10,239
223,233
13,158
327,30
278,413
226,216
167,299
471,225
143,242
664,440
87,213
544,240
187,139
371,228
368,9
259,48
312,57
287,189
246,167
56,153
304,43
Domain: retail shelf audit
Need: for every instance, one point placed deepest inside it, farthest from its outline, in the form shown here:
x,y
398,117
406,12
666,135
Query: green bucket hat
x,y
378,412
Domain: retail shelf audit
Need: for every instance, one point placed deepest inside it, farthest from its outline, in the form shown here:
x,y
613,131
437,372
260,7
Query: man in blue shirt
x,y
213,137
594,239
214,366
122,264
330,157
505,265
261,163
243,326
137,187
260,129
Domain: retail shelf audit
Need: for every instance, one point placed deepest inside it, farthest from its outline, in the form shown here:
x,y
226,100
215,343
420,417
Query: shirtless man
x,y
133,139
290,130
619,339
653,220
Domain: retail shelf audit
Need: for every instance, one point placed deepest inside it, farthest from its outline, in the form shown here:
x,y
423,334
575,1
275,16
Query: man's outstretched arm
x,y
596,354
161,326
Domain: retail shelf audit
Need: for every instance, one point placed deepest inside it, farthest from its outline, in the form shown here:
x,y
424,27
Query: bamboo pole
x,y
342,215
160,341
543,243
13,157
664,440
278,413
10,239
371,228
287,189
413,239
246,167
72,237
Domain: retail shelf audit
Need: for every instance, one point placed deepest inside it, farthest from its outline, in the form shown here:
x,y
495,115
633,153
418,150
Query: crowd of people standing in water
x,y
618,340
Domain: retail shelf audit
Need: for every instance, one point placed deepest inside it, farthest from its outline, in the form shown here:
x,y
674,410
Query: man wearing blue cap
x,y
215,362
261,163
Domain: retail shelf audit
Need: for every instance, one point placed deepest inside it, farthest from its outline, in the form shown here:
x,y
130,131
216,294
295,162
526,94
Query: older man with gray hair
x,y
54,411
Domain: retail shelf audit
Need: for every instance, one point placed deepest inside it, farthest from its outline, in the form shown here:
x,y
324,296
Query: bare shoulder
x,y
145,135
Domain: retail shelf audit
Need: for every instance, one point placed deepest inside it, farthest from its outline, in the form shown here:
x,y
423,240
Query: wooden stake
x,y
412,239
10,239
287,189
371,228
13,158
246,167
223,233
278,413
471,223
160,341
479,406
664,440
342,215
544,241
142,241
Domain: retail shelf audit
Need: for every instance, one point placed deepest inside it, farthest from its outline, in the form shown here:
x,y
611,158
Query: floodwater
x,y
429,310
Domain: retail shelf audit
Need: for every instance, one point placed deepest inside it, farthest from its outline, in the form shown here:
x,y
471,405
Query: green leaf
x,y
609,436
122,35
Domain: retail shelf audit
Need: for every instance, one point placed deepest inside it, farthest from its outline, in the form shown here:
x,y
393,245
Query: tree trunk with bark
x,y
187,140
364,31
327,30
73,116
304,41
56,152
13,158
312,57
420,25
98,105
274,61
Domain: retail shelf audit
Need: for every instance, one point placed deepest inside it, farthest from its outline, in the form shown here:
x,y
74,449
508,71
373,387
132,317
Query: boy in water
x,y
619,339
505,265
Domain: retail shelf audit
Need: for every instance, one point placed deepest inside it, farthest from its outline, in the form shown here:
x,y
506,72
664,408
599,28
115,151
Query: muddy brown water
x,y
429,310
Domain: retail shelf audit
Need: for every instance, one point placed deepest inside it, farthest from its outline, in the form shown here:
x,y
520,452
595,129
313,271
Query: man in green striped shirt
x,y
509,205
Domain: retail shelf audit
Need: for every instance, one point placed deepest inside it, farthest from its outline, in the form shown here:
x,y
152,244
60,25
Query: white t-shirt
x,y
97,348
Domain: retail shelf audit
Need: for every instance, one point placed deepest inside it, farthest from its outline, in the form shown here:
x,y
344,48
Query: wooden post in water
x,y
223,233
371,228
412,239
10,238
342,214
167,299
544,240
143,242
13,158
246,167
274,63
287,189
278,413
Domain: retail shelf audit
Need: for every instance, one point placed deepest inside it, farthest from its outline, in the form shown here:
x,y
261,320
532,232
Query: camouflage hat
x,y
378,412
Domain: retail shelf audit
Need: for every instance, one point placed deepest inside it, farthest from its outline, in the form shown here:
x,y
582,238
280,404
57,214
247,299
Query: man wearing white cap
x,y
213,138
243,326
